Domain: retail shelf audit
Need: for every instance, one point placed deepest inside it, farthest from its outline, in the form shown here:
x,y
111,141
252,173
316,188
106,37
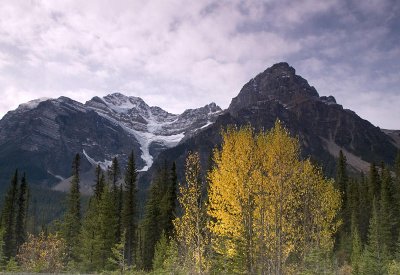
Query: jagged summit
x,y
50,131
279,83
47,133
154,128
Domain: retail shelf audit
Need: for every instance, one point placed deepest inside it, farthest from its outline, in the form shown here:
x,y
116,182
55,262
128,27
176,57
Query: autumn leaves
x,y
266,209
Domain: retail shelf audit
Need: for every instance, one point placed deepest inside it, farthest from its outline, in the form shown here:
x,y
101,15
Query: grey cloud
x,y
180,54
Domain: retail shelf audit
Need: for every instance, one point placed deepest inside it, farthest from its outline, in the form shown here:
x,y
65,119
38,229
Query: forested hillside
x,y
258,207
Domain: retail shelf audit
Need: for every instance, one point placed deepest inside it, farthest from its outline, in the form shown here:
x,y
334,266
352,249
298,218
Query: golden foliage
x,y
43,254
265,203
190,228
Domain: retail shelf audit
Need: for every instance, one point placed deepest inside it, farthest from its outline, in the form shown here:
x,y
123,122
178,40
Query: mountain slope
x,y
42,136
322,126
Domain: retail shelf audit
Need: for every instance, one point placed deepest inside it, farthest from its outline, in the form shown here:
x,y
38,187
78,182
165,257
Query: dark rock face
x,y
278,83
322,125
42,141
42,136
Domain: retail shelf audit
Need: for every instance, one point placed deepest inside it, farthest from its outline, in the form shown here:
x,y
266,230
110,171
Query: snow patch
x,y
206,125
32,104
146,138
56,176
103,164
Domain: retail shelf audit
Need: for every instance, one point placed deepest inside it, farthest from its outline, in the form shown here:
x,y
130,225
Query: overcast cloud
x,y
181,54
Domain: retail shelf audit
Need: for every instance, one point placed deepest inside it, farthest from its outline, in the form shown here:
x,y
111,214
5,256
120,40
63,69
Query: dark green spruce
x,y
8,218
159,211
22,208
72,218
129,211
114,175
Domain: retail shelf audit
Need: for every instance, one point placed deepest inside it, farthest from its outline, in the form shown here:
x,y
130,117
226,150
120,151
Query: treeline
x,y
257,209
13,219
368,241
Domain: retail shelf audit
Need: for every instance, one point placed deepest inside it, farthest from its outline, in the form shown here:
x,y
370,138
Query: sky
x,y
180,54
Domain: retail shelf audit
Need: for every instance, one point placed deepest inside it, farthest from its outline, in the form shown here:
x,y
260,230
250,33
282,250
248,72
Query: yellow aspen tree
x,y
265,203
190,228
232,201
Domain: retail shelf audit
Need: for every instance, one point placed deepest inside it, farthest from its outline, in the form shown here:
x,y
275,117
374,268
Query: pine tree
x,y
375,253
99,182
396,196
397,164
356,251
341,174
20,227
2,258
159,211
118,255
114,174
373,183
168,199
72,218
129,223
107,226
160,253
363,212
171,198
345,187
386,213
8,217
89,237
151,221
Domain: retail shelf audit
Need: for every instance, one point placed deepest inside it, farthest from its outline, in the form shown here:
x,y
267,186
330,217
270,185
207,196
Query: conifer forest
x,y
256,208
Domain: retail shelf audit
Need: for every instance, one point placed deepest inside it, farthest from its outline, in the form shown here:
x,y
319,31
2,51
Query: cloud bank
x,y
183,54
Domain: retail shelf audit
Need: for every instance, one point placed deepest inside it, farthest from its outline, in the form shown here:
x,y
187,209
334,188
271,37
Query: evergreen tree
x,y
99,182
373,183
151,226
374,256
118,255
385,212
129,223
397,165
341,183
72,218
8,218
114,174
2,258
160,253
165,192
20,226
396,195
171,198
341,175
363,209
89,237
159,211
107,226
356,250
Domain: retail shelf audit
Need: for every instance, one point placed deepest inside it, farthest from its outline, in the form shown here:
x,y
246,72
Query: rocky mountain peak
x,y
277,83
31,104
122,103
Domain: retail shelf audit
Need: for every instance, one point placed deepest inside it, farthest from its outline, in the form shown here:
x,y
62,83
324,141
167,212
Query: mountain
x,y
322,125
42,136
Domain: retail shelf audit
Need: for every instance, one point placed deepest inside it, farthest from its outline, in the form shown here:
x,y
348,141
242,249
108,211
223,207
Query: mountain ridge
x,y
48,132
